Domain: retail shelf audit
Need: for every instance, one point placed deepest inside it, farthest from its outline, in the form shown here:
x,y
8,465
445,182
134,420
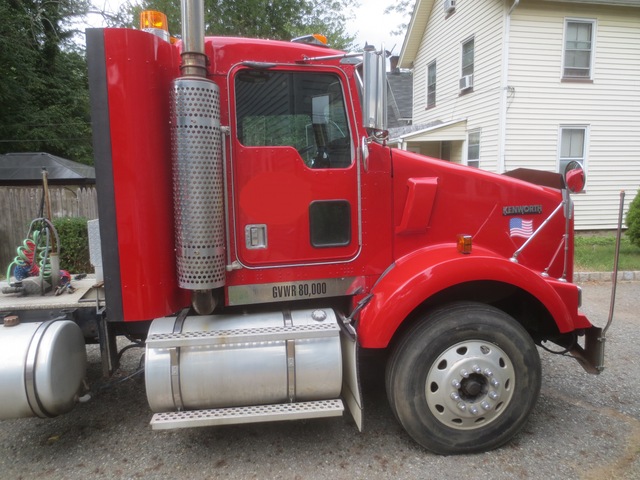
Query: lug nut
x,y
476,369
493,395
485,406
455,397
488,372
462,406
455,383
464,373
473,410
495,383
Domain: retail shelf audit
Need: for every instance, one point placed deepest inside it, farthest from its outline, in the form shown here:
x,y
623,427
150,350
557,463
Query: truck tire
x,y
464,379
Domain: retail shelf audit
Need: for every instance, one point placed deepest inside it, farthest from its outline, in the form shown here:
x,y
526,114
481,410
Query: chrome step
x,y
252,414
264,334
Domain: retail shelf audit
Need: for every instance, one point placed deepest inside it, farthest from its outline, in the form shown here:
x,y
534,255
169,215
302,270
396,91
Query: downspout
x,y
504,89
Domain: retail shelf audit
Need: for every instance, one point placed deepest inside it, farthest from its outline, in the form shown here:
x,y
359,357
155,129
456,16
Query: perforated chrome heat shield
x,y
198,187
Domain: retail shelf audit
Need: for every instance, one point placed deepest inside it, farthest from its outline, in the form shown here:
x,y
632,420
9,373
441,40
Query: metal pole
x,y
45,185
616,260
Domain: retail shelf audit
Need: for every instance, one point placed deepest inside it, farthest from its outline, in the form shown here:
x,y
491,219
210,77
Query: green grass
x,y
594,253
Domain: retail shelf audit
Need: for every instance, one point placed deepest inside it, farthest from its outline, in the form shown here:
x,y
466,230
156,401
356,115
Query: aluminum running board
x,y
193,339
253,414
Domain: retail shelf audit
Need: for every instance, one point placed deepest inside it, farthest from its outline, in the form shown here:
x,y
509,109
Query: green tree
x,y
404,7
43,80
273,19
632,220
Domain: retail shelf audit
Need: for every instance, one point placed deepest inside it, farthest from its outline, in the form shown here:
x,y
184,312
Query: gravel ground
x,y
583,427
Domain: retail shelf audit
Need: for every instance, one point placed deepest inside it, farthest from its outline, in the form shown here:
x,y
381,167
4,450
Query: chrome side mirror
x,y
374,104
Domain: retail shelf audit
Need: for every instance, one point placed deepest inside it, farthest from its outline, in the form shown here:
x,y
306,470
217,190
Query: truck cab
x,y
258,234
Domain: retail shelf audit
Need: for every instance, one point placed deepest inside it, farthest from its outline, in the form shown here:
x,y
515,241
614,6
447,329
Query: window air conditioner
x,y
466,82
449,6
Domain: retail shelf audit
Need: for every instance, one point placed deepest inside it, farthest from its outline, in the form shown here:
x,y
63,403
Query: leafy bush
x,y
633,221
74,244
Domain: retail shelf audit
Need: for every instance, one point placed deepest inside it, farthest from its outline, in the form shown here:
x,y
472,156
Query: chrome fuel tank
x,y
42,366
217,361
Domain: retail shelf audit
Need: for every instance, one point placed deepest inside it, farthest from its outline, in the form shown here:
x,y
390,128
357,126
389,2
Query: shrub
x,y
74,244
633,221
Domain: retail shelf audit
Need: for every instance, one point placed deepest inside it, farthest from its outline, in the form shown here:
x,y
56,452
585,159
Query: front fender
x,y
421,274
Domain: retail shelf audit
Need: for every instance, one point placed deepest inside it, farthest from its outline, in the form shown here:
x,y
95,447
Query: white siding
x,y
442,42
610,106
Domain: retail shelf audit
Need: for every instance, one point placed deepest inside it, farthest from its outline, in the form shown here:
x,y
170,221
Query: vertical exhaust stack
x,y
194,61
196,149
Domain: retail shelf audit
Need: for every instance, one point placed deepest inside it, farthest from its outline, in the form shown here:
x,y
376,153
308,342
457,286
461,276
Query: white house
x,y
504,84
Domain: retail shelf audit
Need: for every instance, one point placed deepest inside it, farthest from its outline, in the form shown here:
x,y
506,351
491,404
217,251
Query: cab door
x,y
295,178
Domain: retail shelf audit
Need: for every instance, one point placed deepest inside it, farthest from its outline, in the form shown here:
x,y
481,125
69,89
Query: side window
x,y
473,148
431,85
330,223
302,110
468,59
573,142
578,49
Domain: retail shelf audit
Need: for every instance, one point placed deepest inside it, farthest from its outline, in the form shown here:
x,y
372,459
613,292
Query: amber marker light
x,y
153,19
464,243
321,38
314,39
155,22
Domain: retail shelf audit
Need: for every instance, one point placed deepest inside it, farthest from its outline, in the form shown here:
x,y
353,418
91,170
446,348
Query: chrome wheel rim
x,y
470,385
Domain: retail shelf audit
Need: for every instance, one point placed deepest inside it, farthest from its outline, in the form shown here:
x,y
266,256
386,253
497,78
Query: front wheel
x,y
464,379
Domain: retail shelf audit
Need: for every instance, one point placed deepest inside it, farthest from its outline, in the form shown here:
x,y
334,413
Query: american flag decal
x,y
520,228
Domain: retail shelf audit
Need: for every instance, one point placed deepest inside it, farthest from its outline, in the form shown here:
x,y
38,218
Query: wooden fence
x,y
20,205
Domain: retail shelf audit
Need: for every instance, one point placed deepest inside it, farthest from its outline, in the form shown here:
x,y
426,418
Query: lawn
x,y
594,253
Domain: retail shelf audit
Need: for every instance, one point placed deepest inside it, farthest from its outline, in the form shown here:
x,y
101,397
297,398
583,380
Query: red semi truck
x,y
258,234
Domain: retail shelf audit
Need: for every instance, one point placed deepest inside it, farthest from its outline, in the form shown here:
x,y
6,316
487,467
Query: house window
x,y
473,149
578,49
572,146
466,80
431,85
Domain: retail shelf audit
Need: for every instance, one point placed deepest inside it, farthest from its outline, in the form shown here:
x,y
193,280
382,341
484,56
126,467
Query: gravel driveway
x,y
583,427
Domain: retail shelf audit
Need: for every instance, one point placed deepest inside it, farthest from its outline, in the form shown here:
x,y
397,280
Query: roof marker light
x,y
156,23
314,39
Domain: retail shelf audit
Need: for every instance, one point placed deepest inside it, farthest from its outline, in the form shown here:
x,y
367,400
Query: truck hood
x,y
435,201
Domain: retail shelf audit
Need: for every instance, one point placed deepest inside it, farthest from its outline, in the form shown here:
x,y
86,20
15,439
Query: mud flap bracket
x,y
591,357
